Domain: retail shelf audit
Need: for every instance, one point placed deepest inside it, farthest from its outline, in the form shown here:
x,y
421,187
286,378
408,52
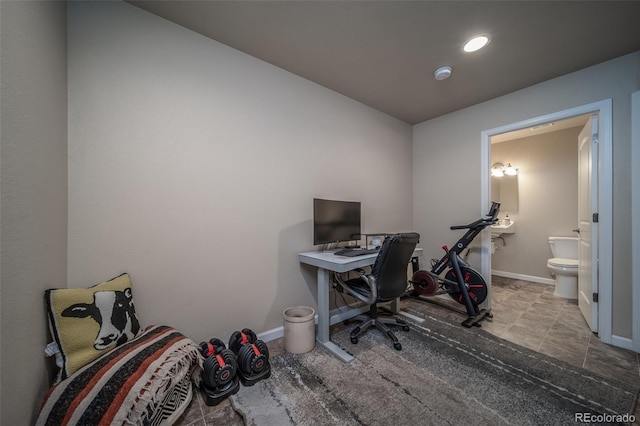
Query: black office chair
x,y
386,282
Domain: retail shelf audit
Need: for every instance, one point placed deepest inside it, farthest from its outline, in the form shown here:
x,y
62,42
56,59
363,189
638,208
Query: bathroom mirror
x,y
505,190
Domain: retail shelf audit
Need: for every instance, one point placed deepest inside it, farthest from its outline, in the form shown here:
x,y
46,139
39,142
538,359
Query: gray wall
x,y
547,199
193,167
33,194
446,161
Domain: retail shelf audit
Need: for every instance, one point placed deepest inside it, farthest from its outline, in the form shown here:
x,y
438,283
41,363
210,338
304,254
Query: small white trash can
x,y
299,329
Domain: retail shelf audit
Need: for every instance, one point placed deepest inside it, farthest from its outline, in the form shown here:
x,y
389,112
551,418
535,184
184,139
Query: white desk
x,y
327,262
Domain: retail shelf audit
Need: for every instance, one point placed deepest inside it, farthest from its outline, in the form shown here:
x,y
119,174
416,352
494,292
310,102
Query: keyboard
x,y
355,252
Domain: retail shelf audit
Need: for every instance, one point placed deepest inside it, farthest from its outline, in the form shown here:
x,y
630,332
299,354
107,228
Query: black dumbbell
x,y
220,364
252,354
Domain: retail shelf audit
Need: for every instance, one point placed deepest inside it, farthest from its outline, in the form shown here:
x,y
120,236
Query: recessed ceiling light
x,y
476,43
542,126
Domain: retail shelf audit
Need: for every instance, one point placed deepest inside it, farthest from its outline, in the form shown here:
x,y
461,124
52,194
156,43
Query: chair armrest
x,y
361,273
370,281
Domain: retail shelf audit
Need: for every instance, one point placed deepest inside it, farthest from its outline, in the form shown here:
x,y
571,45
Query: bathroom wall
x,y
547,204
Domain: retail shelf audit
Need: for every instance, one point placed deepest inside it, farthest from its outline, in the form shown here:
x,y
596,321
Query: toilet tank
x,y
564,247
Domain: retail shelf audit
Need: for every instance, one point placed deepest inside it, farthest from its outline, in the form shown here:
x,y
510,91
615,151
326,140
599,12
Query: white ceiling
x,y
384,53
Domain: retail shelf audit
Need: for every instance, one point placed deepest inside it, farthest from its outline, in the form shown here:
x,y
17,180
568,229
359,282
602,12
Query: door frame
x,y
587,229
605,200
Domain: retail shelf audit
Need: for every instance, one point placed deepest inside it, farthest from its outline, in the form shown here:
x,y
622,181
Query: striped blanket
x,y
145,381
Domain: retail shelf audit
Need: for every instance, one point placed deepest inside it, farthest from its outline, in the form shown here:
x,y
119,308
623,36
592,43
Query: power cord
x,y
338,289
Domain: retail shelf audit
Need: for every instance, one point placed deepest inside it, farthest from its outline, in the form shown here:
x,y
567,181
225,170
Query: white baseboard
x,y
531,278
273,334
335,316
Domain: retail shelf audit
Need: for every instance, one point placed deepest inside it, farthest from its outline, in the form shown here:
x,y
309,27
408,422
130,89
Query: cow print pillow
x,y
89,322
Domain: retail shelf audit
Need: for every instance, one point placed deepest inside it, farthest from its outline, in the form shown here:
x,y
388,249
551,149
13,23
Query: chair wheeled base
x,y
373,319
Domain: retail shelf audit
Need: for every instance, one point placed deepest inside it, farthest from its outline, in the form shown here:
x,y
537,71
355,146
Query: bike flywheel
x,y
424,283
476,286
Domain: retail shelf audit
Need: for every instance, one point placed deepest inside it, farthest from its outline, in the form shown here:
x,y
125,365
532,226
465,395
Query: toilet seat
x,y
561,262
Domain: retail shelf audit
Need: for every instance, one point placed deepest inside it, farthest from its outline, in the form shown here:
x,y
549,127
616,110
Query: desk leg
x,y
324,317
396,310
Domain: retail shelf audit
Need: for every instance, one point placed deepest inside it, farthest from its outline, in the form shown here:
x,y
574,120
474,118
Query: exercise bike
x,y
465,285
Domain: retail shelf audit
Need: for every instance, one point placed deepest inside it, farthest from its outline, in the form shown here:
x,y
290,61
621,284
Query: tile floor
x,y
530,315
525,313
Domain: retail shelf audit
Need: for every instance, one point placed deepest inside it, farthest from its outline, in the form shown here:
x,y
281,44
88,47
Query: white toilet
x,y
564,266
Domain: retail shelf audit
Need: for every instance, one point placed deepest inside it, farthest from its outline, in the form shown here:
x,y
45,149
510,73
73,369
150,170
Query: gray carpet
x,y
445,374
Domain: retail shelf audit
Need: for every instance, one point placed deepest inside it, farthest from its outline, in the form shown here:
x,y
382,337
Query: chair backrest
x,y
390,267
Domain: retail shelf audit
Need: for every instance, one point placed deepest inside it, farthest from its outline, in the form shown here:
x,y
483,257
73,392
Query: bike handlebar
x,y
482,223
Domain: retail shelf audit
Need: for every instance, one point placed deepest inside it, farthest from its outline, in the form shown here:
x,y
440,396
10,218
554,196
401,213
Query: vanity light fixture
x,y
475,43
510,170
499,170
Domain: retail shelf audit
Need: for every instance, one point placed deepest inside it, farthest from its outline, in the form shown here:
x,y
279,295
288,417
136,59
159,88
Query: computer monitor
x,y
335,221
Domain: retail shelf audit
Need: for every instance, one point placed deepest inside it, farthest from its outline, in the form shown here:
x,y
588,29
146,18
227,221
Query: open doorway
x,y
602,191
535,177
541,193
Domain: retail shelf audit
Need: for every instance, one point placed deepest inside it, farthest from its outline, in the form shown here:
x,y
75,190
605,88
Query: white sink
x,y
502,228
